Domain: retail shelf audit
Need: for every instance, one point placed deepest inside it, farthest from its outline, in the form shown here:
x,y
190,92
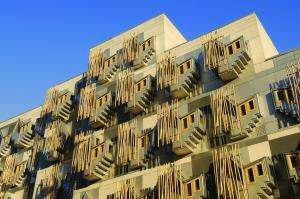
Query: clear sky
x,y
46,42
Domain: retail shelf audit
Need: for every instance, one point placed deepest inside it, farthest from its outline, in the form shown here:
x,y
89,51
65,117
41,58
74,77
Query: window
x,y
149,42
237,44
293,161
230,50
106,98
250,175
188,64
181,69
197,184
143,142
144,47
280,95
185,124
290,95
192,117
251,104
247,107
189,189
139,86
145,82
260,170
243,109
96,153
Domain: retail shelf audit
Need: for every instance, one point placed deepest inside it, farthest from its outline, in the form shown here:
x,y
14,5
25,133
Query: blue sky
x,y
46,42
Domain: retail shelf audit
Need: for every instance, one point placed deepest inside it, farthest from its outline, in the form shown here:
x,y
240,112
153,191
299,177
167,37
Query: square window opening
x,y
260,170
250,175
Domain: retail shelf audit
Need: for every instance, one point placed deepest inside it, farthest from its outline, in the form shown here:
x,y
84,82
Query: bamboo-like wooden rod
x,y
166,71
167,123
96,65
125,87
228,172
87,102
127,143
126,189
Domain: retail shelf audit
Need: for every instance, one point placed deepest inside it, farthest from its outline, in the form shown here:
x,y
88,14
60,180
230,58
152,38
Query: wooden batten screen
x,y
293,79
8,173
169,183
87,102
130,48
82,152
96,65
166,72
50,181
167,123
229,173
126,189
127,143
37,147
215,53
50,101
125,87
224,111
56,138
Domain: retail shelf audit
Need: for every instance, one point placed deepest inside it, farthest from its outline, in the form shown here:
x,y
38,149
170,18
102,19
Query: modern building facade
x,y
156,116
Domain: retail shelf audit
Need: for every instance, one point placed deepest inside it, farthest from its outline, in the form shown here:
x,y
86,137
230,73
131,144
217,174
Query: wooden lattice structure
x,y
81,155
215,54
87,102
130,48
125,87
167,123
55,138
126,189
8,174
37,147
127,143
166,72
169,183
48,185
51,101
293,80
229,174
96,64
224,111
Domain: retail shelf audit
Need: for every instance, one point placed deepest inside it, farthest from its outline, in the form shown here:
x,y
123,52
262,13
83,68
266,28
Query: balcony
x,y
111,67
102,162
193,134
64,106
292,160
25,136
259,178
5,149
238,58
188,76
146,53
104,109
144,91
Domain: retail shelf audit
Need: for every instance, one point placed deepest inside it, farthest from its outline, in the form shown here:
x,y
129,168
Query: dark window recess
x,y
189,189
251,175
293,161
139,87
181,69
96,152
192,118
102,147
188,64
290,95
280,94
197,183
251,104
143,142
185,124
145,82
260,170
237,45
243,109
110,149
108,62
230,50
149,43
144,47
